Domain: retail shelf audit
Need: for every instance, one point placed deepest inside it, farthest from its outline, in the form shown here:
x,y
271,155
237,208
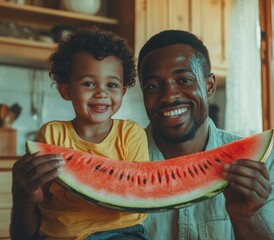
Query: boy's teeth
x,y
101,107
174,112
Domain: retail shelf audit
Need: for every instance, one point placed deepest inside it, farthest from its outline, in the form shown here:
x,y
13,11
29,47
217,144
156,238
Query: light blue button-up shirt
x,y
207,220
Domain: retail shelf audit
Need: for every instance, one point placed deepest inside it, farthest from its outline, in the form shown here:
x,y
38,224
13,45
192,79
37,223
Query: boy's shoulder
x,y
55,124
128,123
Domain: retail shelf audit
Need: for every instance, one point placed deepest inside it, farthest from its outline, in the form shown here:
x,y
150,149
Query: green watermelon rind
x,y
145,208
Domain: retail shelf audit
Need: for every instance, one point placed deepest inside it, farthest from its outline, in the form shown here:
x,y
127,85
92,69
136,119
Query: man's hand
x,y
248,189
30,173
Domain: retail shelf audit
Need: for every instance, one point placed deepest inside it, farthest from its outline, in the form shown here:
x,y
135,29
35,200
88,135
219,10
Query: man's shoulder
x,y
226,136
219,137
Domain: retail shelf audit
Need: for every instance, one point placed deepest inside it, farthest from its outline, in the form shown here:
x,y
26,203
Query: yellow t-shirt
x,y
65,216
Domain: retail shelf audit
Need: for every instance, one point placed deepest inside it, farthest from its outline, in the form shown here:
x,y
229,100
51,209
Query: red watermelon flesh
x,y
153,186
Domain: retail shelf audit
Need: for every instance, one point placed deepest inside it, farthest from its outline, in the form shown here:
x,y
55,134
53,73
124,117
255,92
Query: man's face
x,y
175,92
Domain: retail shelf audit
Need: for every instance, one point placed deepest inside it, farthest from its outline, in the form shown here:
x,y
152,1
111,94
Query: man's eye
x,y
151,87
184,80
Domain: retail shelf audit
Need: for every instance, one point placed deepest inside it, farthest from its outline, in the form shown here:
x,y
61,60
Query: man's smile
x,y
174,113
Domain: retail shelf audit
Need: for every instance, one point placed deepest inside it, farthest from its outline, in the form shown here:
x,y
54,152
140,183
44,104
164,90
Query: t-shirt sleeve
x,y
137,145
41,136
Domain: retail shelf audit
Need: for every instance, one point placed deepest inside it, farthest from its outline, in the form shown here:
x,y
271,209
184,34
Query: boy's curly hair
x,y
100,44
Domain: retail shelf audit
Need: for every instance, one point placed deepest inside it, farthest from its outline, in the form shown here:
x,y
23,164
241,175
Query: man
x,y
176,80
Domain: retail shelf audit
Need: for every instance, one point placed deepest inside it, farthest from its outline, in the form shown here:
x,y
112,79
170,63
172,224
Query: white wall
x,y
16,86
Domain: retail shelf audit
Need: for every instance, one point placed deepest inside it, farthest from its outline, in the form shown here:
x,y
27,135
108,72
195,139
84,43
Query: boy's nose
x,y
101,92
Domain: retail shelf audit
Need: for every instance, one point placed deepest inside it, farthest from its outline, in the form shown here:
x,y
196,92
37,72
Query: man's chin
x,y
171,139
180,133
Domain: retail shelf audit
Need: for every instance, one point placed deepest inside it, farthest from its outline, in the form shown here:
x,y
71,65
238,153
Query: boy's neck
x,y
92,132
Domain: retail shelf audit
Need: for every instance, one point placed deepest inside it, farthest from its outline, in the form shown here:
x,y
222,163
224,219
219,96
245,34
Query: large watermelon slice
x,y
153,186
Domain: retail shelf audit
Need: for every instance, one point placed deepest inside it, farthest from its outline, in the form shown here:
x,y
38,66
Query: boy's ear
x,y
211,84
124,90
63,89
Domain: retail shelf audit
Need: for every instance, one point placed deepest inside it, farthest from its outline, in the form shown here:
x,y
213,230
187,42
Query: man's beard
x,y
189,135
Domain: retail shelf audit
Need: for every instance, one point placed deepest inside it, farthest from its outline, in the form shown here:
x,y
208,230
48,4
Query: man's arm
x,y
25,222
251,228
30,175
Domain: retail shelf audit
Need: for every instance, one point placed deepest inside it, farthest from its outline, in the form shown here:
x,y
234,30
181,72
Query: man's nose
x,y
170,92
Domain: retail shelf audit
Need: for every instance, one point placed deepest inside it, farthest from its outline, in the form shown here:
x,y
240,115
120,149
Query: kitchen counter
x,y
6,163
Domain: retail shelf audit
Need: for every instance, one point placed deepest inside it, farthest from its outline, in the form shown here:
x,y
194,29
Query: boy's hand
x,y
249,188
30,173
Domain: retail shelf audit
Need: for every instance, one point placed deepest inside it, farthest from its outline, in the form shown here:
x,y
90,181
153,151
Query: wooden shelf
x,y
7,161
48,15
26,53
29,53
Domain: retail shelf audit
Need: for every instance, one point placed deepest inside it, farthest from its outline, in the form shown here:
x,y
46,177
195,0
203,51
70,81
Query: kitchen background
x,y
24,77
41,102
231,29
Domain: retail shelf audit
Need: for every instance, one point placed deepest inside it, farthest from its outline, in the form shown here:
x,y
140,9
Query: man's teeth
x,y
174,112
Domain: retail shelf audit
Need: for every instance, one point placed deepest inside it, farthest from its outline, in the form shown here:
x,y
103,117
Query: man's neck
x,y
197,144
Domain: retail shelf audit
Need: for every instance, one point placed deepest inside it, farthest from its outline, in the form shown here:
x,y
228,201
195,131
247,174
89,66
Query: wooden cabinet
x,y
208,19
6,163
31,53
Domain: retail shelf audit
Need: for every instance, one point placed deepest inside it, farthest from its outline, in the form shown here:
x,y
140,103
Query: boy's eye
x,y
88,84
112,85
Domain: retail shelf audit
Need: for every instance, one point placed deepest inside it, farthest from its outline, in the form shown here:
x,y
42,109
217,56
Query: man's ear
x,y
63,89
211,84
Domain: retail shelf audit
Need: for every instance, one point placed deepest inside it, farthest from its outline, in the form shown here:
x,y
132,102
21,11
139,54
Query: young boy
x,y
92,69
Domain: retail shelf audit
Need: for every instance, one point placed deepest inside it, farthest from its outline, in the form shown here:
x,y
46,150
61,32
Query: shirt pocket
x,y
216,230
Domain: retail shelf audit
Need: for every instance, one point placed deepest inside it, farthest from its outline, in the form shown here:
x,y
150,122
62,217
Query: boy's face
x,y
95,87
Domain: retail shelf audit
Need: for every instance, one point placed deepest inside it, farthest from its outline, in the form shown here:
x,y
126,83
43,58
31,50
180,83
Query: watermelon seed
x,y
218,160
195,169
97,167
203,171
159,177
144,181
209,163
173,175
111,172
190,172
121,176
69,158
128,177
206,167
185,174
